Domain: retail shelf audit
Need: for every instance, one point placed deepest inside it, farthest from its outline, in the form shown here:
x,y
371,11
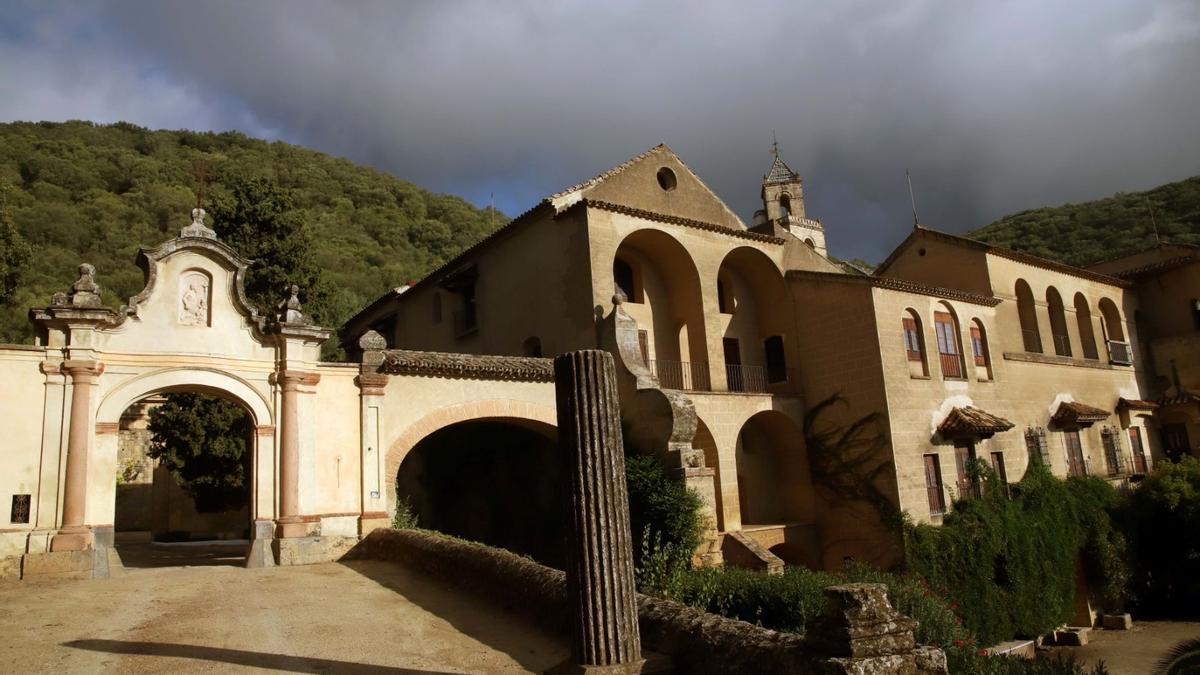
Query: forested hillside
x,y
83,192
1085,233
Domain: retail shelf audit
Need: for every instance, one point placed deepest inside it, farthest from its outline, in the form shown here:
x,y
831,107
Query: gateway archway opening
x,y
495,481
184,465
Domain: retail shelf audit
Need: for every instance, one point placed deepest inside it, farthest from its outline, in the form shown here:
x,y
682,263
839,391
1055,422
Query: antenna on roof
x,y
1153,224
911,198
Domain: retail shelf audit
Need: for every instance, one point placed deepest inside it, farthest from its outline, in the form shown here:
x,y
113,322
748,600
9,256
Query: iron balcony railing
x,y
1120,353
1033,342
683,375
751,379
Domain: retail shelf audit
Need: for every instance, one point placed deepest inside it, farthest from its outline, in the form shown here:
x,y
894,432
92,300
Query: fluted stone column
x,y
74,535
600,587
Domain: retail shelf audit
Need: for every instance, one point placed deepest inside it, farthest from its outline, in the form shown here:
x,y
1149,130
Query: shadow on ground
x,y
295,664
462,609
191,554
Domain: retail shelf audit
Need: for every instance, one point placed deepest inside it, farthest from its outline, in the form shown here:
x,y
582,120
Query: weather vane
x,y
774,144
201,172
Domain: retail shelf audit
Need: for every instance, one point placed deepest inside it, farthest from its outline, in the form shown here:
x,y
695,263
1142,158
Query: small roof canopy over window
x,y
1071,414
970,422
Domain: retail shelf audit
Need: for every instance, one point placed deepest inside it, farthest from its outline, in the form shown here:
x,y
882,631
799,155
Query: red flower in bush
x,y
958,643
954,605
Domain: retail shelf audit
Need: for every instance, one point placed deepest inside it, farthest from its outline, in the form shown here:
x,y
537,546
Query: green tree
x,y
259,219
15,252
203,440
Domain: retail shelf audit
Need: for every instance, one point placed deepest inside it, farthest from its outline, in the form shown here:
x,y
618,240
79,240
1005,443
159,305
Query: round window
x,y
666,179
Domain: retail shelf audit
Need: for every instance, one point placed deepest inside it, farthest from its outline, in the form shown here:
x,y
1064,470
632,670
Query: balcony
x,y
1120,353
1062,344
688,376
681,375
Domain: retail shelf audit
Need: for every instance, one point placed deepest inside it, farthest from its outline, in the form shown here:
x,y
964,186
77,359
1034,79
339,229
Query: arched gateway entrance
x,y
319,434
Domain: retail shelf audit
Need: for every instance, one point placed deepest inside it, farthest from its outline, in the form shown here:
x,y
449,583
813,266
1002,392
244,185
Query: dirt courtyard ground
x,y
362,616
1133,652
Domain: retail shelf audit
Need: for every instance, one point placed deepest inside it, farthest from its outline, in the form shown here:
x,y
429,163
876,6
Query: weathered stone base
x,y
311,550
1117,622
57,565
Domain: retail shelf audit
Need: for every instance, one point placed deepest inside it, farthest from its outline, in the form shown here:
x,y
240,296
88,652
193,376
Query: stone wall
x,y
861,633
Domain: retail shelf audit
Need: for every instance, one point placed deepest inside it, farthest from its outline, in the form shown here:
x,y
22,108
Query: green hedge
x,y
1162,519
664,517
1008,559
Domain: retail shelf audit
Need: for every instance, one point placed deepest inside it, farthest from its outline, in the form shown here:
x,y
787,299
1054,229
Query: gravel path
x,y
1133,652
362,616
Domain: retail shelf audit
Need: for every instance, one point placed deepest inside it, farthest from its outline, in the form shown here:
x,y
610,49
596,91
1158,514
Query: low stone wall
x,y
876,638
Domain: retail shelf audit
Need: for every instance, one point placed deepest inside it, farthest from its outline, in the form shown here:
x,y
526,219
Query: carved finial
x,y
85,292
198,228
619,298
372,341
289,308
59,299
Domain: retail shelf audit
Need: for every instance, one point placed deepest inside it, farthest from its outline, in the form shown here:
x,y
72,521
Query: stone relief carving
x,y
194,290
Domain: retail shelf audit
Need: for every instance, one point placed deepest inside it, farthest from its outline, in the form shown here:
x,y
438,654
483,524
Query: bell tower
x,y
783,205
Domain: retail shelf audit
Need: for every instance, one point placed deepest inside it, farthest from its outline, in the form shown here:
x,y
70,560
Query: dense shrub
x,y
203,441
1008,559
664,519
1162,519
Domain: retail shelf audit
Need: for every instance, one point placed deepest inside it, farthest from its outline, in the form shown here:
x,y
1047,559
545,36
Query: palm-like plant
x,y
1183,659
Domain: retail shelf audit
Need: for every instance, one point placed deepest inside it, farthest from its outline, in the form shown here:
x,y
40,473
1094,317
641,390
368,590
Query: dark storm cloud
x,y
994,106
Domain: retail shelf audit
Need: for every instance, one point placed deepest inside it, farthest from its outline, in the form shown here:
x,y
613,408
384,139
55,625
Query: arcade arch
x,y
774,480
755,331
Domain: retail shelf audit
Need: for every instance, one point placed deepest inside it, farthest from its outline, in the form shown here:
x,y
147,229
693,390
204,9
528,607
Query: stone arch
x,y
208,380
755,286
704,441
671,307
543,419
773,474
1114,328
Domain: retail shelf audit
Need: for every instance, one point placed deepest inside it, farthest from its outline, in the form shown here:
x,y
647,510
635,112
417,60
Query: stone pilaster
x,y
372,386
860,632
74,535
600,586
290,522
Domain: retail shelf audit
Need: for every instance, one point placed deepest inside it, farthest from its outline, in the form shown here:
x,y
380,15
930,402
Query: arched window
x,y
532,346
949,344
914,344
1114,333
625,281
811,243
979,349
1027,313
1087,336
1058,322
785,207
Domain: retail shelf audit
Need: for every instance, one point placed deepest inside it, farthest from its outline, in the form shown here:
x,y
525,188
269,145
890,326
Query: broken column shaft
x,y
600,586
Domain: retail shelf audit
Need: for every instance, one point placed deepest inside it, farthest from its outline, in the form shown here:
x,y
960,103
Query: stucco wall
x,y
22,402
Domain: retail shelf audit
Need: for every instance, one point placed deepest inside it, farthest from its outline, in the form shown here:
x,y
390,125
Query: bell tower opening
x,y
783,212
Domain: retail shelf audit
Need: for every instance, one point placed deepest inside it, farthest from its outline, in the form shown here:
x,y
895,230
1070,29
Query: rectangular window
x,y
977,347
948,347
20,509
964,452
1113,460
933,486
912,340
776,361
1175,441
1139,451
1035,445
1076,466
998,466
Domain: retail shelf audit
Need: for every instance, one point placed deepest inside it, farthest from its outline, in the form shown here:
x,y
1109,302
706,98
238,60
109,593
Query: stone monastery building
x,y
745,355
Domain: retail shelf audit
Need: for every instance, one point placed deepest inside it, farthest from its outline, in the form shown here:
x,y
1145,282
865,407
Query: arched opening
x,y
1087,336
755,344
532,346
1058,322
785,207
950,352
774,482
670,308
1114,333
914,343
495,481
625,280
183,481
980,352
703,440
810,243
1031,337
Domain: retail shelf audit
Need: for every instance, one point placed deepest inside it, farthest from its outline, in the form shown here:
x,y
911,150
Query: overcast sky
x,y
995,106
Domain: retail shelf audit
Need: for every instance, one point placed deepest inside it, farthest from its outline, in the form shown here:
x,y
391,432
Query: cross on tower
x,y
774,144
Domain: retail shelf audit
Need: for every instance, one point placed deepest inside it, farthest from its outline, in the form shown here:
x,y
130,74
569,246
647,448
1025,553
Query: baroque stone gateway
x,y
723,335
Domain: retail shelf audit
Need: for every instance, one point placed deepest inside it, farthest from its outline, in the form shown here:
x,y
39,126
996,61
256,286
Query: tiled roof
x,y
473,366
894,284
676,220
1136,404
1158,266
970,421
607,174
1178,396
780,172
1070,412
1000,251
